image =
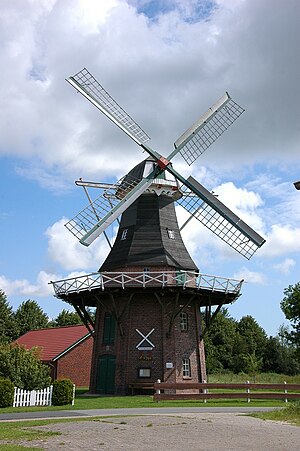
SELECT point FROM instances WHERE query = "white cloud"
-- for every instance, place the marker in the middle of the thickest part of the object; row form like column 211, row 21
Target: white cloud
column 281, row 240
column 250, row 276
column 65, row 249
column 165, row 73
column 285, row 266
column 40, row 288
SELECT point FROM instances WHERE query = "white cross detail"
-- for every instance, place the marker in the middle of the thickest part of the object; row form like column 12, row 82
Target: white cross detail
column 145, row 339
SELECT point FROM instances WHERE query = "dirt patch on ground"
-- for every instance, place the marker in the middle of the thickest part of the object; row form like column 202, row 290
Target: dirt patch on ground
column 215, row 431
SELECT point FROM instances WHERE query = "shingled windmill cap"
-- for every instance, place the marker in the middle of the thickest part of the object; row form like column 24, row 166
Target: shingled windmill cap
column 297, row 184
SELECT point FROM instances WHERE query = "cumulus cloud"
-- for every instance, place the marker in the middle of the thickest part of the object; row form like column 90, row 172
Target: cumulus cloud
column 281, row 240
column 285, row 266
column 40, row 288
column 250, row 276
column 165, row 72
column 65, row 249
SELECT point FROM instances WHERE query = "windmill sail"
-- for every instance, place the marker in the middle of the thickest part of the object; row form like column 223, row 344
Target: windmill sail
column 94, row 219
column 91, row 89
column 218, row 218
column 207, row 129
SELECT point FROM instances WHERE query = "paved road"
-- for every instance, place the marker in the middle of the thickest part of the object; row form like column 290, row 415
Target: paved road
column 192, row 431
column 145, row 411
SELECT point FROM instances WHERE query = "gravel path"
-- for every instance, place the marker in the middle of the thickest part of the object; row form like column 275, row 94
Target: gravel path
column 193, row 431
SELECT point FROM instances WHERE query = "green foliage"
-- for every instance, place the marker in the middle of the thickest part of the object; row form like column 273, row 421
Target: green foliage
column 243, row 347
column 8, row 329
column 62, row 392
column 6, row 392
column 290, row 305
column 219, row 343
column 23, row 367
column 290, row 414
column 30, row 316
column 66, row 318
column 252, row 364
column 280, row 357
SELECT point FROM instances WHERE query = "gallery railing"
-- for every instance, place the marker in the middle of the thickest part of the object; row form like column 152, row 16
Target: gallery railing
column 184, row 279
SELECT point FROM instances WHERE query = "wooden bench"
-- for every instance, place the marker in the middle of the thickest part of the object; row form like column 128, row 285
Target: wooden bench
column 137, row 387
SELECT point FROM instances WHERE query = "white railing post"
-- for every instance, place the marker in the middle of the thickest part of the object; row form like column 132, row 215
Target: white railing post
column 73, row 400
column 205, row 391
column 158, row 389
column 248, row 391
column 285, row 391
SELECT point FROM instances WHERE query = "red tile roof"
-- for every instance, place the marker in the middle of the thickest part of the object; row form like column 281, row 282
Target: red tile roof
column 53, row 341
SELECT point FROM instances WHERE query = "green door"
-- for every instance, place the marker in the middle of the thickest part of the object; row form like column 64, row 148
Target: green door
column 106, row 374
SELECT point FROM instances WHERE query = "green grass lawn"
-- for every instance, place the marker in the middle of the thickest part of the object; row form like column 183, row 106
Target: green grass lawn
column 84, row 402
column 291, row 414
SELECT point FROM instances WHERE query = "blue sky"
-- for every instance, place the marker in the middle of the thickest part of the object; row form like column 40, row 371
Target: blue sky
column 165, row 62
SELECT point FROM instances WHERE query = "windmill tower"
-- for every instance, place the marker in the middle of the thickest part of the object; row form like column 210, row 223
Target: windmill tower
column 148, row 292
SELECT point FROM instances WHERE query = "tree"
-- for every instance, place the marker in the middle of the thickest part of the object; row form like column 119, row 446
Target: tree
column 290, row 305
column 279, row 357
column 219, row 343
column 66, row 318
column 30, row 316
column 250, row 344
column 252, row 364
column 23, row 367
column 8, row 328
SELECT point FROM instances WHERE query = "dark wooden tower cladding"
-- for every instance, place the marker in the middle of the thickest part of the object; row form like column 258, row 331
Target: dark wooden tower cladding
column 148, row 297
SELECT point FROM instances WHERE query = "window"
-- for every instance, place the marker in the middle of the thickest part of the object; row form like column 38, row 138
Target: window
column 146, row 270
column 186, row 368
column 183, row 321
column 109, row 328
column 124, row 234
column 144, row 372
column 171, row 234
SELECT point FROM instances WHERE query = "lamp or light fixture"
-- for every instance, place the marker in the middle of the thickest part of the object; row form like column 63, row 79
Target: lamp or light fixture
column 297, row 185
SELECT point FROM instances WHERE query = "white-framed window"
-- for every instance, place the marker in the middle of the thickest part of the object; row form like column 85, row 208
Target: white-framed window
column 186, row 368
column 183, row 321
column 124, row 234
column 171, row 234
column 144, row 372
column 146, row 270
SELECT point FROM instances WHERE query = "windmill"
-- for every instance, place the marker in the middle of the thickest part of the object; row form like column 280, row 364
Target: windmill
column 193, row 197
column 148, row 292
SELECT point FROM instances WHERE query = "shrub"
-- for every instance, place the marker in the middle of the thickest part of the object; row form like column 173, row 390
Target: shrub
column 62, row 392
column 7, row 390
column 23, row 367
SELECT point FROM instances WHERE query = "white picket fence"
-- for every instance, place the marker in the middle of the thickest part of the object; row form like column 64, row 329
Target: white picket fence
column 24, row 398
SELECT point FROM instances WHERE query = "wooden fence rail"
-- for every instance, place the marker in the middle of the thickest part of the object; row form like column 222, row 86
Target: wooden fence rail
column 169, row 391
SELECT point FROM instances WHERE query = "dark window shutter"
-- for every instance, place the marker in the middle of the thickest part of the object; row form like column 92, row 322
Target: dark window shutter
column 109, row 329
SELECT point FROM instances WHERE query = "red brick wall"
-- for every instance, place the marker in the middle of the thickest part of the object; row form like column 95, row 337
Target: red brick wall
column 146, row 311
column 76, row 364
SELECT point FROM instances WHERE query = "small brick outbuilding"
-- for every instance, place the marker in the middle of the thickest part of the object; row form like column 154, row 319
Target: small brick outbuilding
column 67, row 350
